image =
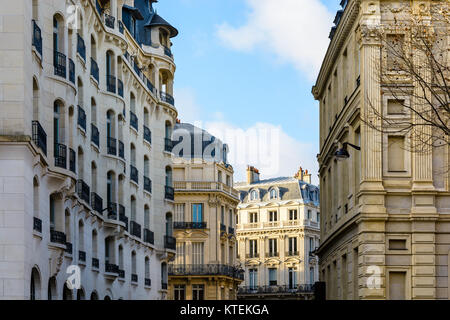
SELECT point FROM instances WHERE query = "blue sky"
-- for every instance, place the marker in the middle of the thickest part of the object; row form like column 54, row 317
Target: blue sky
column 241, row 63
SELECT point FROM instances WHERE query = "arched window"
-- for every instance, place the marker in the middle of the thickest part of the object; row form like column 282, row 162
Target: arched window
column 168, row 130
column 93, row 48
column 51, row 289
column 67, row 293
column 80, row 92
column 132, row 102
column 253, row 195
column 35, row 197
column 273, row 194
column 110, row 72
column 133, row 262
column 94, row 295
column 35, row 285
column 146, row 217
column 121, row 266
column 110, row 124
column 147, row 268
column 35, row 100
column 80, row 235
column 80, row 294
column 93, row 111
column 146, row 167
column 133, row 154
column 94, row 244
column 58, row 33
column 58, row 122
column 168, row 176
column 80, row 163
column 169, row 224
column 93, row 177
column 110, row 187
column 133, row 208
column 146, row 118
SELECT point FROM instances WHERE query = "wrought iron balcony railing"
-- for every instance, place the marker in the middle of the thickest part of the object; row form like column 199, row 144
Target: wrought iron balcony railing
column 82, row 255
column 165, row 97
column 223, row 227
column 252, row 255
column 189, row 225
column 112, row 146
column 111, row 268
column 69, row 248
column 95, row 263
column 111, row 83
column 82, row 118
column 95, row 135
column 57, row 237
column 134, row 120
column 121, row 27
column 135, row 229
column 292, row 253
column 134, row 174
column 37, row 38
column 60, row 154
column 122, row 217
column 71, row 71
column 96, row 202
column 272, row 254
column 168, row 145
column 148, row 282
column 121, row 150
column 121, row 273
column 120, row 87
column 109, row 21
column 60, row 64
column 72, row 161
column 147, row 134
column 168, row 52
column 39, row 136
column 147, row 184
column 37, row 224
column 94, row 70
column 169, row 193
column 205, row 270
column 81, row 47
column 278, row 289
column 150, row 85
column 134, row 277
column 149, row 236
column 112, row 210
column 83, row 190
column 170, row 242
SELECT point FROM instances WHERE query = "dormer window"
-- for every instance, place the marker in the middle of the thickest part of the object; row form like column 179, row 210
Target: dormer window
column 253, row 195
column 273, row 194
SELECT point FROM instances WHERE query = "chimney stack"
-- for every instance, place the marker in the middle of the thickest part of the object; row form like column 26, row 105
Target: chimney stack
column 303, row 175
column 252, row 175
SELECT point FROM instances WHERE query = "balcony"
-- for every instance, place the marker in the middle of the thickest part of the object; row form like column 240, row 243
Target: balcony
column 150, row 85
column 57, row 237
column 83, row 191
column 109, row 21
column 59, row 63
column 95, row 263
column 168, row 52
column 112, row 146
column 37, row 38
column 277, row 289
column 223, row 228
column 37, row 224
column 121, row 274
column 121, row 150
column 95, row 135
column 147, row 184
column 81, row 118
column 135, row 229
column 134, row 121
column 169, row 193
column 72, row 161
column 82, row 256
column 170, row 242
column 272, row 254
column 112, row 210
column 147, row 134
column 111, row 268
column 121, row 27
column 134, row 277
column 148, row 282
column 71, row 71
column 134, row 174
column 165, row 97
column 149, row 236
column 206, row 185
column 230, row 230
column 205, row 270
column 95, row 70
column 163, row 285
column 168, row 145
column 189, row 225
column 96, row 202
column 81, row 47
column 111, row 83
column 60, row 153
column 252, row 255
column 39, row 136
column 69, row 248
column 122, row 217
column 292, row 253
column 120, row 87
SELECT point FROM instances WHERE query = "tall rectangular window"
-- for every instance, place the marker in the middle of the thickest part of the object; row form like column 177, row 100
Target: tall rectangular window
column 222, row 214
column 230, row 218
column 253, row 278
column 253, row 217
column 292, row 215
column 273, row 216
column 179, row 292
column 292, row 278
column 272, row 276
column 396, row 153
column 253, row 247
column 272, row 247
column 198, row 292
column 292, row 245
column 197, row 253
column 180, row 257
column 312, row 247
column 179, row 212
column 308, row 215
column 197, row 212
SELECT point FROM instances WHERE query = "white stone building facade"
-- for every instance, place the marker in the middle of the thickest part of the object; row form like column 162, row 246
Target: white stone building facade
column 85, row 153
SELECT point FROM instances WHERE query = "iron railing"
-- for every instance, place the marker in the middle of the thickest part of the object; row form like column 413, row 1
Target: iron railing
column 148, row 282
column 95, row 135
column 120, row 87
column 135, row 229
column 37, row 224
column 223, row 227
column 121, row 27
column 81, row 47
column 111, row 268
column 150, row 85
column 170, row 242
column 57, row 237
column 83, row 190
column 109, row 21
column 147, row 134
column 205, row 270
column 169, row 193
column 134, row 120
column 95, row 263
column 134, row 174
column 121, row 273
column 111, row 83
column 279, row 289
column 60, row 153
column 230, row 230
column 189, row 225
column 37, row 38
column 72, row 161
column 168, row 145
column 96, row 202
column 82, row 255
column 39, row 136
column 94, row 70
column 71, row 71
column 112, row 210
column 149, row 236
column 112, row 146
column 59, row 62
column 165, row 97
column 134, row 277
column 147, row 184
column 122, row 217
column 121, row 150
column 168, row 52
column 82, row 118
column 69, row 248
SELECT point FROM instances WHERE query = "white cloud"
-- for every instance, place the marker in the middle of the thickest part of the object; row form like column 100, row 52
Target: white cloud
column 294, row 30
column 188, row 109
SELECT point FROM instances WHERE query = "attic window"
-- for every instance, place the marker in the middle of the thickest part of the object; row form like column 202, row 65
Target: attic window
column 253, row 195
column 273, row 194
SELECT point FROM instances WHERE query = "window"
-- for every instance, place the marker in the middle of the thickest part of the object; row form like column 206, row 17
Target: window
column 179, row 292
column 318, row 217
column 396, row 153
column 272, row 277
column 253, row 246
column 273, row 216
column 293, row 246
column 292, row 278
column 220, row 176
column 253, row 217
column 292, row 215
column 273, row 194
column 308, row 216
column 179, row 212
column 253, row 195
column 180, row 257
column 222, row 215
column 197, row 253
column 311, row 275
column 253, row 278
column 230, row 218
column 273, row 247
column 311, row 245
column 397, row 244
column 197, row 212
column 228, row 181
column 198, row 291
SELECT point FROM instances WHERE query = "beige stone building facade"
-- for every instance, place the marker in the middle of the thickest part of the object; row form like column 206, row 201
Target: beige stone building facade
column 277, row 234
column 204, row 220
column 385, row 231
column 85, row 151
